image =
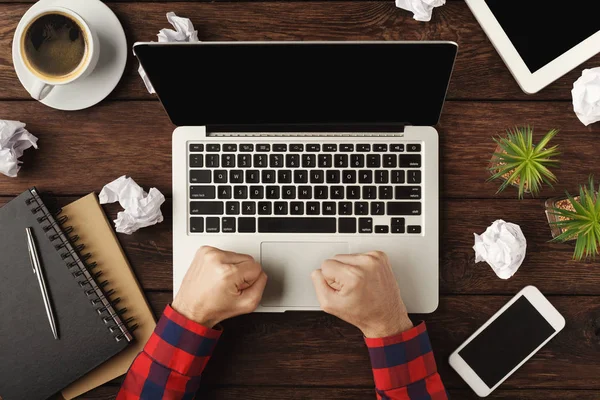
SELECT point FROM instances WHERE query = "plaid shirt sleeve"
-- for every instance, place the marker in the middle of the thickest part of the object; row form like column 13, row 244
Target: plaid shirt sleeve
column 404, row 367
column 172, row 361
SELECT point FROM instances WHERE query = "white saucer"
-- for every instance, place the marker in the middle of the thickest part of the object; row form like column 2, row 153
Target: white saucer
column 107, row 74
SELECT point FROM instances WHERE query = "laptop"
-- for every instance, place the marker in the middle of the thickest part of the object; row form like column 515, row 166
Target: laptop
column 294, row 152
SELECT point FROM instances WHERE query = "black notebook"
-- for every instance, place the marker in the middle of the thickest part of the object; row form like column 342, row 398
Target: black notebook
column 33, row 365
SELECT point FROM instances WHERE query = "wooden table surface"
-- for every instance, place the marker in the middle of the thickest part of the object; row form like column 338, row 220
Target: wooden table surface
column 310, row 355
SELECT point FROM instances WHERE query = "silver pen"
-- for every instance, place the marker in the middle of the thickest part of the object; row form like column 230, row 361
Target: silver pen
column 37, row 271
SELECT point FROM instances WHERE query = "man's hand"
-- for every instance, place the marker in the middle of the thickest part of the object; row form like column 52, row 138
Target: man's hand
column 220, row 285
column 361, row 289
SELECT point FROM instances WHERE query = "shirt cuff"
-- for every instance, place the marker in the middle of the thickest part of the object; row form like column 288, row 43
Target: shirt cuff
column 180, row 344
column 401, row 359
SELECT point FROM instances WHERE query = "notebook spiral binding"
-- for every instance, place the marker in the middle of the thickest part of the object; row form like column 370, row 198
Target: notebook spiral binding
column 87, row 278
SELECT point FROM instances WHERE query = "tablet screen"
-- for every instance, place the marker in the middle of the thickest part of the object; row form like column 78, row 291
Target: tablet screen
column 542, row 30
column 507, row 341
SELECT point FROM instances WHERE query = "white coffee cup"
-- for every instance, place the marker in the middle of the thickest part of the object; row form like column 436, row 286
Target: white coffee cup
column 52, row 67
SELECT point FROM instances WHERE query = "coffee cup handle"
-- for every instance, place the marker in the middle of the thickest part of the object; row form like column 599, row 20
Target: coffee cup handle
column 40, row 90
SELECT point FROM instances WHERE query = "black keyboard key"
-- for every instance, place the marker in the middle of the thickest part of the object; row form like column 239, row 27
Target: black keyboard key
column 212, row 160
column 280, row 208
column 309, row 160
column 276, row 160
column 414, row 176
column 313, row 208
column 365, row 176
column 284, row 176
column 297, row 225
column 382, row 229
column 257, row 192
column 281, row 147
column 382, row 176
column 229, row 147
column 260, row 160
column 268, row 176
column 202, row 192
column 330, row 147
column 410, row 161
column 347, row 225
column 252, row 176
column 246, row 225
column 300, row 176
column 373, row 161
column 212, row 225
column 357, row 160
column 346, row 147
column 321, row 192
column 325, row 161
column 336, row 192
column 206, row 207
column 224, row 192
column 363, row 147
column 297, row 148
column 389, row 161
column 305, row 192
column 413, row 229
column 248, row 208
column 220, row 176
column 408, row 192
column 272, row 192
column 369, row 192
column 248, row 147
column 244, row 160
column 353, row 192
column 398, row 148
column 365, row 225
column 213, row 147
column 297, row 208
column 236, row 176
column 196, row 161
column 413, row 147
column 196, row 147
column 197, row 223
column 288, row 192
column 377, row 208
column 349, row 176
column 380, row 147
column 361, row 208
column 345, row 208
column 387, row 192
column 398, row 176
column 228, row 225
column 333, row 176
column 264, row 208
column 232, row 208
column 240, row 192
column 398, row 225
column 404, row 208
column 317, row 176
column 398, row 221
column 329, row 208
column 292, row 160
column 340, row 160
column 263, row 147
column 313, row 147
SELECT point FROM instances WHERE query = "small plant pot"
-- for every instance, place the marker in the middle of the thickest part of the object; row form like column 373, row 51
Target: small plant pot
column 493, row 168
column 556, row 202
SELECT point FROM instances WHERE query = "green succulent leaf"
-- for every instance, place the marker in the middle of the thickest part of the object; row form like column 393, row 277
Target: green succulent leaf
column 521, row 163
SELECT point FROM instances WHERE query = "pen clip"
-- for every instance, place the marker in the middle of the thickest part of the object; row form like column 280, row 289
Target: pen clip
column 30, row 249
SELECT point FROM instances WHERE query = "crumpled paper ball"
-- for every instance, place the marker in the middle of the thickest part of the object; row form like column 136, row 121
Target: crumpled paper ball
column 422, row 9
column 586, row 96
column 14, row 140
column 502, row 246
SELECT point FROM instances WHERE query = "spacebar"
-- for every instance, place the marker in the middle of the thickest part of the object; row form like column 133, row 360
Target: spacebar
column 296, row 225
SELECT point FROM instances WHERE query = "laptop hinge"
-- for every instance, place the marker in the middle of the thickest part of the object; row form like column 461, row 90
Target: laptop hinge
column 305, row 129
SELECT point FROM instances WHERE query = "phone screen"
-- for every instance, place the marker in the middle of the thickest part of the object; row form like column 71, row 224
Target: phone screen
column 507, row 341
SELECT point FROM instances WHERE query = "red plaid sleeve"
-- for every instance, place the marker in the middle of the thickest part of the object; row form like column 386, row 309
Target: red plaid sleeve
column 404, row 367
column 172, row 361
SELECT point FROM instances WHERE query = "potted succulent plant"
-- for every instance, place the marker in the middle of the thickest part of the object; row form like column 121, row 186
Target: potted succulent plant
column 577, row 219
column 520, row 163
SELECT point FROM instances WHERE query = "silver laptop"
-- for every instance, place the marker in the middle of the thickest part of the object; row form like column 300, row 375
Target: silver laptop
column 294, row 152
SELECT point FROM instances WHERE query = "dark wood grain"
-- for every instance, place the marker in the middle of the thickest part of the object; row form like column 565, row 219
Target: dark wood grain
column 479, row 73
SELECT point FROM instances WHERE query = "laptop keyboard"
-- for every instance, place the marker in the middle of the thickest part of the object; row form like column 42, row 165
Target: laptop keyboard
column 365, row 188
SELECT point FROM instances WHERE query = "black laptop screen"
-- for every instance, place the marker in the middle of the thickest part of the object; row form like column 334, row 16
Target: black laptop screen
column 299, row 83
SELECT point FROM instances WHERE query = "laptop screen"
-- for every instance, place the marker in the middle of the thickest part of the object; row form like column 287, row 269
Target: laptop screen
column 240, row 83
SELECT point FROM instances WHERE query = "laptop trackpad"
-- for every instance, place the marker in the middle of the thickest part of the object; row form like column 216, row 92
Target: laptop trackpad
column 289, row 265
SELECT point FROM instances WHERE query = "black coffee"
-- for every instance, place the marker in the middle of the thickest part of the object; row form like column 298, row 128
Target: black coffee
column 54, row 45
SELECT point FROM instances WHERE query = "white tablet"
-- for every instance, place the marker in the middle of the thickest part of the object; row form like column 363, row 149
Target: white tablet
column 507, row 340
column 540, row 40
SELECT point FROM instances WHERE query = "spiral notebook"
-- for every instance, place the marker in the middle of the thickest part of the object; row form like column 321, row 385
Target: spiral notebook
column 33, row 365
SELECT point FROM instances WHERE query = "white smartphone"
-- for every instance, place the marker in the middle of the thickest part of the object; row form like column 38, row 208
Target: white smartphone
column 507, row 340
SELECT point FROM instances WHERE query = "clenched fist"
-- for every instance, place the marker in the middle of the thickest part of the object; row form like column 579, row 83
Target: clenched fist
column 220, row 285
column 361, row 289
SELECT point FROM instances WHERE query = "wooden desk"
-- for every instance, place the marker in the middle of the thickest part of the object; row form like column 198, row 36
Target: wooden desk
column 310, row 355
